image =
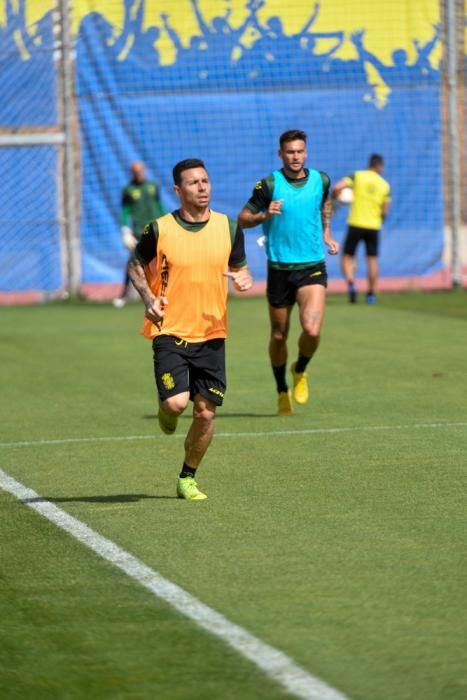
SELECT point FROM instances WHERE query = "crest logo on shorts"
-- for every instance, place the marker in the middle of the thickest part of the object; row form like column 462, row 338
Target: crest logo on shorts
column 168, row 380
column 258, row 185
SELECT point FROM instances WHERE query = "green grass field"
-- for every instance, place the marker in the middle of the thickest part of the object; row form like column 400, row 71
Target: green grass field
column 337, row 535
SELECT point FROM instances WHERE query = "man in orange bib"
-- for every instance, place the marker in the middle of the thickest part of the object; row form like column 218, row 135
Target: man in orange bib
column 180, row 270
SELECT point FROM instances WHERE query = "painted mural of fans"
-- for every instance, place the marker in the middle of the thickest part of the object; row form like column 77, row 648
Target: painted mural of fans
column 424, row 52
column 401, row 70
column 132, row 21
column 310, row 44
column 16, row 27
column 29, row 52
column 276, row 49
column 189, row 58
column 222, row 38
column 95, row 29
column 29, row 40
column 134, row 40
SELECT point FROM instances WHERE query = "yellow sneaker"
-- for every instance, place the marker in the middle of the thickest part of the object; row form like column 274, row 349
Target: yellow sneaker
column 168, row 424
column 284, row 403
column 300, row 386
column 187, row 488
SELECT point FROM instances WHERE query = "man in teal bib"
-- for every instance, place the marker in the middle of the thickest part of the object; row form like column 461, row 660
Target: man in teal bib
column 294, row 207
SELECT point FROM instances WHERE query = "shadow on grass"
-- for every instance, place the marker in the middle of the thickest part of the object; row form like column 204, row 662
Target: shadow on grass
column 117, row 498
column 223, row 414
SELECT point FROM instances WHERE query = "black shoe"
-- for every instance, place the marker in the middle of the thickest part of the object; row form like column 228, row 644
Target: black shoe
column 352, row 295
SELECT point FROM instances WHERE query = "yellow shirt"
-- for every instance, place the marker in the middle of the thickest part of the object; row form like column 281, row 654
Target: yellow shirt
column 188, row 270
column 370, row 193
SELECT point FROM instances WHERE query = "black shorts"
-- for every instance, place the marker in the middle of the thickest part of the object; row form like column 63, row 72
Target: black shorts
column 195, row 367
column 282, row 285
column 368, row 235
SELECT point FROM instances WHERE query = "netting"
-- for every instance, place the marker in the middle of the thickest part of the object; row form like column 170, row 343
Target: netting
column 462, row 104
column 30, row 251
column 27, row 68
column 159, row 80
column 221, row 81
column 30, row 237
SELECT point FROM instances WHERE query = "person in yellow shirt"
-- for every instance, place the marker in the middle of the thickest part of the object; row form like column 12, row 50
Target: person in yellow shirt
column 180, row 270
column 368, row 210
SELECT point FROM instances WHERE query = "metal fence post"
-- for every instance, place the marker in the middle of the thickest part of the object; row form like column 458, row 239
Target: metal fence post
column 71, row 222
column 454, row 145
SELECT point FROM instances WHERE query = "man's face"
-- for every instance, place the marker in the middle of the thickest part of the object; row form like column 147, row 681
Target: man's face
column 293, row 155
column 194, row 189
column 138, row 172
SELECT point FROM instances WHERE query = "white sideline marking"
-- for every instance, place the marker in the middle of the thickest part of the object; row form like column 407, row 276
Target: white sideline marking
column 268, row 433
column 273, row 662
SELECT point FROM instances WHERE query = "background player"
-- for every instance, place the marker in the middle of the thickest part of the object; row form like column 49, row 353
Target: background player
column 371, row 200
column 294, row 207
column 140, row 204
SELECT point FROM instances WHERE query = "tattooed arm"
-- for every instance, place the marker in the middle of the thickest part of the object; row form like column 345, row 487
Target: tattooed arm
column 154, row 305
column 326, row 213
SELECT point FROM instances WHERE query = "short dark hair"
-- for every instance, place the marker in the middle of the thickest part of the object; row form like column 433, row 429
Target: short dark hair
column 183, row 165
column 375, row 160
column 292, row 135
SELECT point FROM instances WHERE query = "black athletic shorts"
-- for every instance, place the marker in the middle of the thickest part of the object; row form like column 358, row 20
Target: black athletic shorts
column 282, row 285
column 356, row 234
column 195, row 367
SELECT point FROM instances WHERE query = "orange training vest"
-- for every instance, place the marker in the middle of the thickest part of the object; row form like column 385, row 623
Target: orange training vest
column 188, row 270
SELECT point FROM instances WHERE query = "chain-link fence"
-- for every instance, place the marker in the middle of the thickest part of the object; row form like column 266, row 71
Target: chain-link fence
column 87, row 92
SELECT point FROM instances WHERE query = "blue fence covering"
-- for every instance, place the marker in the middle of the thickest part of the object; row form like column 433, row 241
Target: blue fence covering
column 230, row 112
column 30, row 251
column 222, row 86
